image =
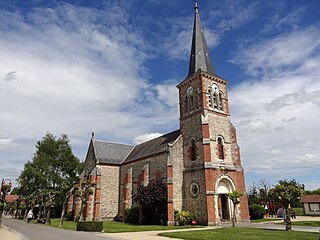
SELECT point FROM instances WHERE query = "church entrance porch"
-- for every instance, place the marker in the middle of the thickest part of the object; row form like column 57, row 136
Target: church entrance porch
column 223, row 206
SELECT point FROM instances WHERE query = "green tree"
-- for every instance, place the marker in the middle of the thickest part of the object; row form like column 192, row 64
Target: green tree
column 317, row 191
column 253, row 195
column 235, row 199
column 53, row 167
column 5, row 189
column 288, row 193
column 152, row 202
column 84, row 191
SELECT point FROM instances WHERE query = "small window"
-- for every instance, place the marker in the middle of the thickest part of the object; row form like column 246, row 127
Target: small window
column 197, row 99
column 215, row 100
column 193, row 150
column 221, row 101
column 210, row 98
column 220, row 148
column 191, row 103
column 185, row 105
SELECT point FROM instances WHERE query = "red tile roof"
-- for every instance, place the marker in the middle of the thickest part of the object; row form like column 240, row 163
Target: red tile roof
column 310, row 198
column 11, row 198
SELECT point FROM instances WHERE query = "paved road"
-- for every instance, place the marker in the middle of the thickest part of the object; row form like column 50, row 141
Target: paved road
column 42, row 232
column 267, row 225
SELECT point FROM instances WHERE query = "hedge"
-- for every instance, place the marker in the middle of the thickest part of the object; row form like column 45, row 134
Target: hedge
column 256, row 211
column 90, row 226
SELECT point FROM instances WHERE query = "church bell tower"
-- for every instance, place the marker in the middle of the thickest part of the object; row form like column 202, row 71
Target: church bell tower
column 211, row 155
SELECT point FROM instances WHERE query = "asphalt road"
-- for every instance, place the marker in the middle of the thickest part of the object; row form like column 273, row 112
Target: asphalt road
column 43, row 232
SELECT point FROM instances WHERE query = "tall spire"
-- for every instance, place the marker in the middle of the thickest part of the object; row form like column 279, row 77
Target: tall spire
column 199, row 56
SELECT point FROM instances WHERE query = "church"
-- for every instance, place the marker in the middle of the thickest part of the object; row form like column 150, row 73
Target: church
column 199, row 163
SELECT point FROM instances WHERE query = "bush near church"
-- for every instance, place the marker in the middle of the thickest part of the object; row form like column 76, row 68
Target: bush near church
column 132, row 215
column 256, row 211
column 183, row 218
column 90, row 226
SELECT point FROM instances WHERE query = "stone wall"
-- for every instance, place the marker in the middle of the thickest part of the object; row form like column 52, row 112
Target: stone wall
column 109, row 194
column 176, row 160
column 157, row 166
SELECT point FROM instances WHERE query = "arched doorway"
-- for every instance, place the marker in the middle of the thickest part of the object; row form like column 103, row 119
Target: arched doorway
column 223, row 206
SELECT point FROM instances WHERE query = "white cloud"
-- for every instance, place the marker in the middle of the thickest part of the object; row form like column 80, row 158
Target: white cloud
column 232, row 14
column 5, row 141
column 282, row 20
column 281, row 98
column 75, row 70
column 145, row 137
column 284, row 54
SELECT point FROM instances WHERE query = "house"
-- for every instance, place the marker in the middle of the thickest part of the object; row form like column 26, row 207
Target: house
column 311, row 204
column 199, row 163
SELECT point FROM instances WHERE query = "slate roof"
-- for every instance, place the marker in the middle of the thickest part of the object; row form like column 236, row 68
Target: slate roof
column 311, row 198
column 111, row 153
column 152, row 147
column 199, row 56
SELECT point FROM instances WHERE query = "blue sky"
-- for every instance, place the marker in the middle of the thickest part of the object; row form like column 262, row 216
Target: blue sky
column 111, row 67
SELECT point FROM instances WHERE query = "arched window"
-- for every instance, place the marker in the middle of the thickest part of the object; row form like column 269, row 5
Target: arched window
column 220, row 148
column 210, row 97
column 185, row 105
column 193, row 150
column 196, row 97
column 221, row 101
column 191, row 102
column 215, row 100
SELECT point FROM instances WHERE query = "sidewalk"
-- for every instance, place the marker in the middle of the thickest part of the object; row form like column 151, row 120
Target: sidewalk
column 9, row 234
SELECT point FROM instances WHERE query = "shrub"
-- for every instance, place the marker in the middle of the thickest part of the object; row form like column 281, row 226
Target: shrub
column 69, row 216
column 90, row 226
column 183, row 218
column 256, row 211
column 132, row 215
column 77, row 218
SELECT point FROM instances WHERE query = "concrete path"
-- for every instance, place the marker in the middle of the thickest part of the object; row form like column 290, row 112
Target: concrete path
column 8, row 234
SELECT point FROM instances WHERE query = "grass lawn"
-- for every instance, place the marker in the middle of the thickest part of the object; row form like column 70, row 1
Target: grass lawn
column 117, row 227
column 70, row 225
column 242, row 234
column 298, row 211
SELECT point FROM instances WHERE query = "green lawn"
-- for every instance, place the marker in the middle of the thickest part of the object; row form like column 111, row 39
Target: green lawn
column 116, row 227
column 298, row 211
column 66, row 225
column 307, row 223
column 242, row 234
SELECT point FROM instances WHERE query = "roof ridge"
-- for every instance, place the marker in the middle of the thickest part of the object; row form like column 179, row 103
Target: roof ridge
column 104, row 141
column 157, row 137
